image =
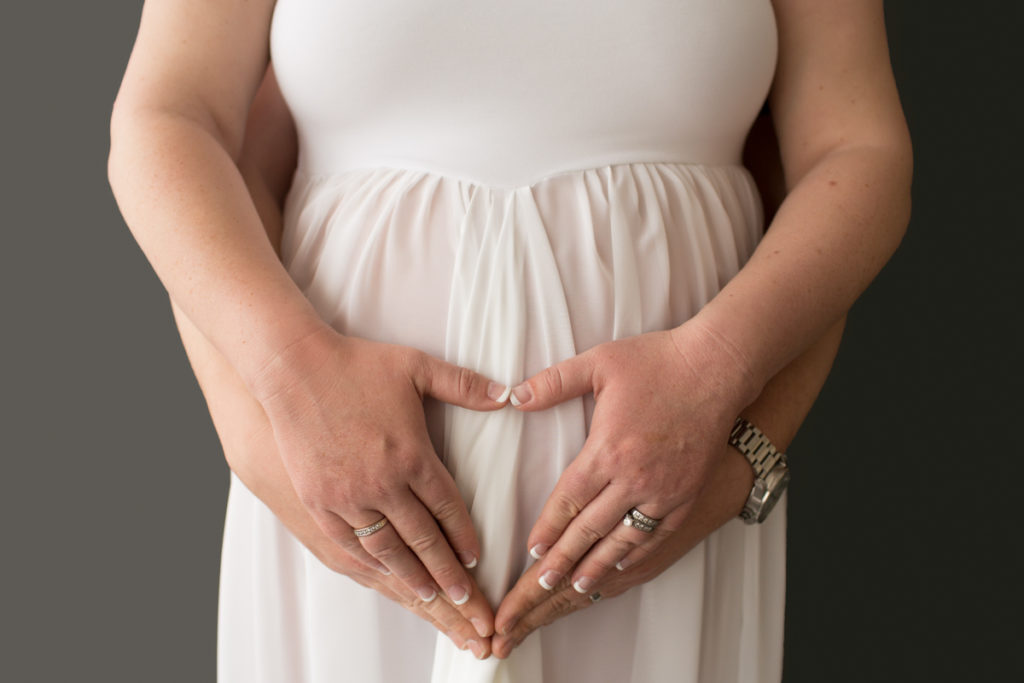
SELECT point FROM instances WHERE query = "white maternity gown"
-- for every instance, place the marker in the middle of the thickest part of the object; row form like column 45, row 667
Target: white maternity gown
column 504, row 185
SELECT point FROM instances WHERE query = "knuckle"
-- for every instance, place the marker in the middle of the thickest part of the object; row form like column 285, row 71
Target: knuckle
column 406, row 464
column 424, row 543
column 447, row 509
column 551, row 381
column 385, row 551
column 341, row 495
column 645, row 479
column 561, row 603
column 466, row 381
column 567, row 506
column 588, row 532
column 621, row 450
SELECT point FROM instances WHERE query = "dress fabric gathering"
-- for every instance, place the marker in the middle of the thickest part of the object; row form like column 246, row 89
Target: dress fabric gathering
column 505, row 185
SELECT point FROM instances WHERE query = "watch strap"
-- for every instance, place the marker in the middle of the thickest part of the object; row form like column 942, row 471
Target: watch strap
column 752, row 443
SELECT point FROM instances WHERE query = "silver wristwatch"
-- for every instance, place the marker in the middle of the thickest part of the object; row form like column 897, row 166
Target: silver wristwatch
column 771, row 471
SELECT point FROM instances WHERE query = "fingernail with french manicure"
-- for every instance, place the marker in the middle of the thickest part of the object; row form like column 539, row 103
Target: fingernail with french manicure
column 458, row 594
column 548, row 581
column 583, row 584
column 426, row 594
column 481, row 626
column 623, row 563
column 537, row 551
column 498, row 393
column 477, row 648
column 521, row 394
column 467, row 559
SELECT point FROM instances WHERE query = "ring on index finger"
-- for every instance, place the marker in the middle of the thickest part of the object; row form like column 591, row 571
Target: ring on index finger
column 372, row 529
column 640, row 521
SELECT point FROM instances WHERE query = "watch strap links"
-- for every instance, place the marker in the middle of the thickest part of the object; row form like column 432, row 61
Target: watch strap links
column 752, row 443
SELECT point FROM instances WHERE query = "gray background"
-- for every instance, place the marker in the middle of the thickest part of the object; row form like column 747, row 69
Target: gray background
column 904, row 554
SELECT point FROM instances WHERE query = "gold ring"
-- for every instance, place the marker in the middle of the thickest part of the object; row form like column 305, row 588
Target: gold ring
column 372, row 529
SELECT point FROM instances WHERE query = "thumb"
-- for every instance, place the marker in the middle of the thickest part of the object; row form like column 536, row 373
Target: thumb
column 459, row 386
column 569, row 379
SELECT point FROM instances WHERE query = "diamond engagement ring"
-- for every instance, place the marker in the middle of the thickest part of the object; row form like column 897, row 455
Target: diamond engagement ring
column 372, row 529
column 640, row 521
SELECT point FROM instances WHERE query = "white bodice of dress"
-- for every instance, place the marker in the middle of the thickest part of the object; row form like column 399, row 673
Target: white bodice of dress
column 506, row 93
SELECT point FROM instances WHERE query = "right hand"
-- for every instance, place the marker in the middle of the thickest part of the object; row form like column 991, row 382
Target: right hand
column 347, row 416
column 267, row 160
column 247, row 440
column 440, row 613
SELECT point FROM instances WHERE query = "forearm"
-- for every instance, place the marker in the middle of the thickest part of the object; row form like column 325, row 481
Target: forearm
column 778, row 411
column 187, row 205
column 829, row 239
column 787, row 398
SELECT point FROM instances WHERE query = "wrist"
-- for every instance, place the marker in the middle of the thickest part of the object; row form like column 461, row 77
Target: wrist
column 715, row 352
column 292, row 360
column 742, row 334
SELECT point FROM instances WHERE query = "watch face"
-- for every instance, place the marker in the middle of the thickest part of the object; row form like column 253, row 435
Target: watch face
column 777, row 482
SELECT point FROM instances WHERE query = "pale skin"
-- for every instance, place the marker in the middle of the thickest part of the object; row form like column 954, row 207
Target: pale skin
column 266, row 163
column 177, row 138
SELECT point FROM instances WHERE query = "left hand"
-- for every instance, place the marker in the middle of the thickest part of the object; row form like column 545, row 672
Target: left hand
column 721, row 501
column 664, row 405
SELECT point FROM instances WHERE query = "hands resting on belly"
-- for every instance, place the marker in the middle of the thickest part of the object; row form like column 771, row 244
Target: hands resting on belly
column 261, row 462
column 336, row 439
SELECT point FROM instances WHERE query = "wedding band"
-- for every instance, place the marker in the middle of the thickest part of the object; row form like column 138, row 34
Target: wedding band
column 644, row 519
column 372, row 529
column 633, row 519
column 639, row 526
column 594, row 597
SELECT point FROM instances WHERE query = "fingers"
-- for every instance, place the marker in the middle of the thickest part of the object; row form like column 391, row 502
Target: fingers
column 415, row 550
column 465, row 633
column 457, row 385
column 544, row 608
column 526, row 595
column 623, row 547
column 451, row 548
column 341, row 533
column 437, row 490
column 575, row 489
column 388, row 547
column 596, row 521
column 560, row 382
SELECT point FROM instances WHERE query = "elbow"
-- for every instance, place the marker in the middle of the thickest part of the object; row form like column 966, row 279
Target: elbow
column 117, row 123
column 125, row 118
column 902, row 169
column 120, row 120
column 141, row 129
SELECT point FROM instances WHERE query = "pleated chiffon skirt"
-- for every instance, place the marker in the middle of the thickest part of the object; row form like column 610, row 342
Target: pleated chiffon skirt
column 508, row 280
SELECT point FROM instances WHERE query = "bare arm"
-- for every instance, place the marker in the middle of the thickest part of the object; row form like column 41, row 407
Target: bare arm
column 177, row 134
column 266, row 162
column 847, row 159
column 846, row 156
